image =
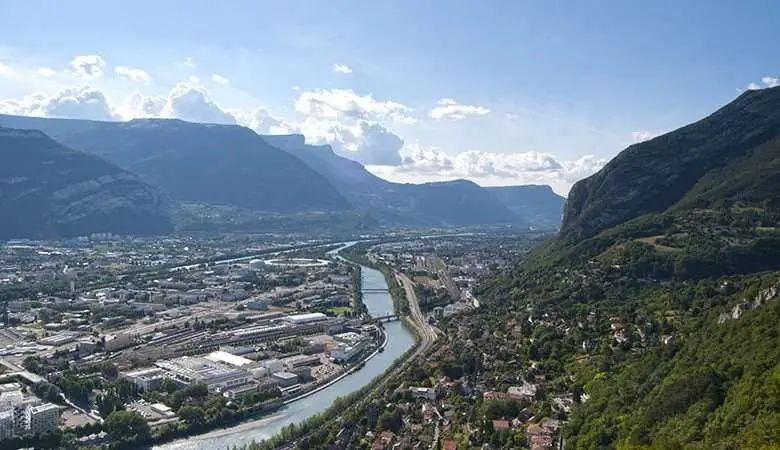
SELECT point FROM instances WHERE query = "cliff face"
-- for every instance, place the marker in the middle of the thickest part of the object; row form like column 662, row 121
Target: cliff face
column 49, row 190
column 655, row 175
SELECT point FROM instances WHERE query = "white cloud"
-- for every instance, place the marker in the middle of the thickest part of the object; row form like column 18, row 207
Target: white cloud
column 132, row 74
column 46, row 72
column 450, row 109
column 220, row 79
column 5, row 70
column 263, row 122
column 641, row 136
column 189, row 62
column 341, row 68
column 421, row 163
column 771, row 81
column 193, row 79
column 88, row 66
column 84, row 102
column 346, row 104
column 766, row 82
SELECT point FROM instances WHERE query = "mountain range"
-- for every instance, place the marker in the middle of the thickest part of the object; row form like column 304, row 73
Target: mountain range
column 455, row 203
column 49, row 190
column 205, row 170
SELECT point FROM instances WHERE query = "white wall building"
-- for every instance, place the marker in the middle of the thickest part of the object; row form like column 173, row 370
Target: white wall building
column 43, row 418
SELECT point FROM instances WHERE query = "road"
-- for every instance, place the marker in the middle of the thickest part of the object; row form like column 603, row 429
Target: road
column 427, row 332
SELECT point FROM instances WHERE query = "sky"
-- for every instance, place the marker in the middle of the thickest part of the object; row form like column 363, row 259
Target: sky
column 504, row 92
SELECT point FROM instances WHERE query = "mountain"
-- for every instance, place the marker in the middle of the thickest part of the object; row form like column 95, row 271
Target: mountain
column 48, row 190
column 454, row 203
column 200, row 163
column 654, row 175
column 655, row 311
column 536, row 205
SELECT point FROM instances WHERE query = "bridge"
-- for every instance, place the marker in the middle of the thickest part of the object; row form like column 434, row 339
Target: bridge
column 372, row 291
column 387, row 318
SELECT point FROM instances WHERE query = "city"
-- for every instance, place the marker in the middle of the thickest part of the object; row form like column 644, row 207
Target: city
column 249, row 329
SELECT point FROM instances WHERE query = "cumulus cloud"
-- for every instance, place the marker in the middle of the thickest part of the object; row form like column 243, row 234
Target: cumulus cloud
column 193, row 79
column 189, row 62
column 341, row 68
column 641, row 136
column 132, row 74
column 367, row 142
column 449, row 109
column 220, row 79
column 46, row 72
column 83, row 102
column 263, row 122
column 5, row 70
column 184, row 101
column 88, row 66
column 766, row 82
column 771, row 81
column 422, row 163
column 347, row 104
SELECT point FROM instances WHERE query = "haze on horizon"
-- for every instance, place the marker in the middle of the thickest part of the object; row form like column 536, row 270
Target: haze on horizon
column 416, row 92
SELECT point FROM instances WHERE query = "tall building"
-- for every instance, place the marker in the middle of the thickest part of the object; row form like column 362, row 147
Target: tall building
column 43, row 418
column 6, row 424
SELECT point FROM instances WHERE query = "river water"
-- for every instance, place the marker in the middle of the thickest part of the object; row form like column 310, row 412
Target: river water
column 399, row 341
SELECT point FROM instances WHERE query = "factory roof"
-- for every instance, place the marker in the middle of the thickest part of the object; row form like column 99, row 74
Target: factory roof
column 225, row 357
column 308, row 317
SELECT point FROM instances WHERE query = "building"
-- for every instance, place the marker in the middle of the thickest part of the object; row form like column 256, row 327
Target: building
column 22, row 415
column 300, row 319
column 285, row 379
column 348, row 346
column 239, row 392
column 43, row 418
column 216, row 376
column 147, row 379
column 423, row 392
column 117, row 342
column 229, row 359
column 6, row 424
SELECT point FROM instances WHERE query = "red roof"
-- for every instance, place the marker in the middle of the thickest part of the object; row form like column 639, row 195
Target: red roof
column 501, row 424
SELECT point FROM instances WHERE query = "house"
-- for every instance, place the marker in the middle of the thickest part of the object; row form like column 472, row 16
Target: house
column 500, row 425
column 449, row 445
column 540, row 437
column 384, row 441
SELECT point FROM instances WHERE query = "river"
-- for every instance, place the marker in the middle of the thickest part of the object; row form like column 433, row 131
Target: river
column 399, row 341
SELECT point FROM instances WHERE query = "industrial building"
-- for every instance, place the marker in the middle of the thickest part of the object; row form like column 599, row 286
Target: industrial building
column 301, row 319
column 216, row 376
column 348, row 346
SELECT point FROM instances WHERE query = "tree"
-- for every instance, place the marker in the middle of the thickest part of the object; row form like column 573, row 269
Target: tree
column 127, row 426
column 193, row 415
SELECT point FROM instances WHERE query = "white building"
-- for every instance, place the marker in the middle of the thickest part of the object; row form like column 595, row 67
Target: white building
column 300, row 319
column 147, row 379
column 43, row 418
column 348, row 346
column 198, row 370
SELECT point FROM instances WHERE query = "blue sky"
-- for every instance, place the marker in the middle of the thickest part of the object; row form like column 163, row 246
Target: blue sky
column 517, row 92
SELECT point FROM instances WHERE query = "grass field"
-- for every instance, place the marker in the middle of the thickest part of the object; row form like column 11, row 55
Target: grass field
column 339, row 310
